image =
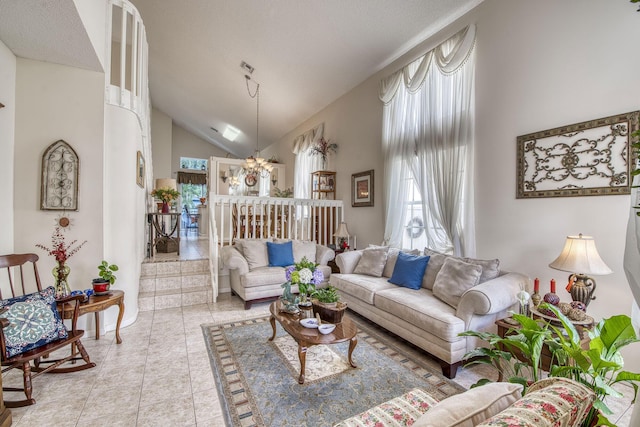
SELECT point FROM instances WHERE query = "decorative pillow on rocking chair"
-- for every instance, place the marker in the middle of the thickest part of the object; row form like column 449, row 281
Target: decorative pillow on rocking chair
column 33, row 321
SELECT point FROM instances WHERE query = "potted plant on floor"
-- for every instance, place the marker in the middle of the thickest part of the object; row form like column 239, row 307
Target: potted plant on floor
column 326, row 303
column 102, row 284
column 598, row 367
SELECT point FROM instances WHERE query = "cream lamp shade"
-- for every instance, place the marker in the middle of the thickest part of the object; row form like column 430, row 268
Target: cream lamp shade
column 166, row 183
column 580, row 257
column 342, row 231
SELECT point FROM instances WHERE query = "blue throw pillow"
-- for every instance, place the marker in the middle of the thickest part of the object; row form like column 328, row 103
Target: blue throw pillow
column 280, row 254
column 409, row 270
column 34, row 321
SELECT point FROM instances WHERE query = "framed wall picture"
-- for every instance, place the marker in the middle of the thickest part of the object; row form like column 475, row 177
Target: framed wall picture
column 59, row 182
column 140, row 170
column 583, row 159
column 362, row 189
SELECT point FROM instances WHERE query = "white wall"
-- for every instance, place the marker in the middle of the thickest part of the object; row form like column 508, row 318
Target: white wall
column 124, row 208
column 57, row 102
column 7, row 134
column 161, row 130
column 540, row 65
column 186, row 144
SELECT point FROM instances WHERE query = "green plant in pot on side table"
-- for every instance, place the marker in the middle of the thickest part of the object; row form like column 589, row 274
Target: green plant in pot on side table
column 107, row 278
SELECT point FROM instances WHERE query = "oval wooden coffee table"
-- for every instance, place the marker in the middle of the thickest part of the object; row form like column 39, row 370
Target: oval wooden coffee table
column 307, row 337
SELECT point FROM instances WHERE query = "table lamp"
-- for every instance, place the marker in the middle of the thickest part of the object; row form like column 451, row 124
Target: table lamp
column 580, row 255
column 342, row 234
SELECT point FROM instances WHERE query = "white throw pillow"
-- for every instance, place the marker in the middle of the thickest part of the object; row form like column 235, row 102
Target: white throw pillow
column 303, row 249
column 454, row 279
column 372, row 262
column 472, row 407
column 256, row 254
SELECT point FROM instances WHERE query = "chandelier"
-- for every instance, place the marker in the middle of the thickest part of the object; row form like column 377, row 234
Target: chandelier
column 255, row 165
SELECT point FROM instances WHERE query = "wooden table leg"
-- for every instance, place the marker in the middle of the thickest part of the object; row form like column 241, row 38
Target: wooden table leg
column 120, row 315
column 272, row 319
column 352, row 345
column 97, row 317
column 302, row 354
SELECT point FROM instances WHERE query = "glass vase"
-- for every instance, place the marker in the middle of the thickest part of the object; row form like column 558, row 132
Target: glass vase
column 61, row 273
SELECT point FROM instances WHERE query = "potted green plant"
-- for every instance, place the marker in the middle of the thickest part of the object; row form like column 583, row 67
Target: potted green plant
column 326, row 303
column 526, row 341
column 601, row 365
column 598, row 367
column 102, row 284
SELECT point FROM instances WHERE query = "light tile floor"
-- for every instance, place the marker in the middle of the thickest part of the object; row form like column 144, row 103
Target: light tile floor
column 160, row 375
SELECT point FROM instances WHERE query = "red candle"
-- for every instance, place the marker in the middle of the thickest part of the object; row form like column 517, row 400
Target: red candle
column 553, row 286
column 536, row 286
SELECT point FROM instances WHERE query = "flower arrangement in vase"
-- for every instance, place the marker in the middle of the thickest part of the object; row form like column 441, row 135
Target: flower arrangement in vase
column 306, row 275
column 166, row 195
column 323, row 148
column 61, row 252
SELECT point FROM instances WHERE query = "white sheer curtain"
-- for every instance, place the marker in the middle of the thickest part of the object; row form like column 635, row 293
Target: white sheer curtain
column 305, row 162
column 428, row 136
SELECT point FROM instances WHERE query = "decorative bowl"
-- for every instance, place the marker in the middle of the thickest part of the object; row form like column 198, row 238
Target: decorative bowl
column 326, row 328
column 311, row 323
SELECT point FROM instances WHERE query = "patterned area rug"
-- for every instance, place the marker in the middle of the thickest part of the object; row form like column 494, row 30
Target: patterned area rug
column 257, row 379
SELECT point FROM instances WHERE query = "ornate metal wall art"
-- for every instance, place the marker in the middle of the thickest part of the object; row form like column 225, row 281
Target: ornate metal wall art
column 584, row 159
column 59, row 187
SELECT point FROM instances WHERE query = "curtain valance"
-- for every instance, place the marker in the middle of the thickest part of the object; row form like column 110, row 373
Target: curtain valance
column 449, row 56
column 306, row 140
column 192, row 178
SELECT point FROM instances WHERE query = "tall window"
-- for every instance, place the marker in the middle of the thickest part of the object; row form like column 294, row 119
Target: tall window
column 428, row 145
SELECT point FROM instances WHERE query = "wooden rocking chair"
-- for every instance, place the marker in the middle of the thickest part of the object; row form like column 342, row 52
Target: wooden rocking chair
column 39, row 351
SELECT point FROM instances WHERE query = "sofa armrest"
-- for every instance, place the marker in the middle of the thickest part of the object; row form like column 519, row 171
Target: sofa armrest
column 233, row 259
column 492, row 296
column 324, row 254
column 347, row 261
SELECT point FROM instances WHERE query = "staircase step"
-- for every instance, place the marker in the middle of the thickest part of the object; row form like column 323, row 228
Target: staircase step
column 172, row 284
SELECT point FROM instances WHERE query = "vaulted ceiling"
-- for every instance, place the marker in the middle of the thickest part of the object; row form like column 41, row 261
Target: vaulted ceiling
column 306, row 54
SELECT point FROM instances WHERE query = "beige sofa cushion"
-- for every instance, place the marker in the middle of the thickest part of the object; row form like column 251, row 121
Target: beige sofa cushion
column 262, row 276
column 372, row 262
column 490, row 267
column 256, row 253
column 360, row 286
column 454, row 279
column 472, row 407
column 420, row 308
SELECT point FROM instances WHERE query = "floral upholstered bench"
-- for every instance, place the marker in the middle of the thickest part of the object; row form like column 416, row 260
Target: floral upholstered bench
column 551, row 402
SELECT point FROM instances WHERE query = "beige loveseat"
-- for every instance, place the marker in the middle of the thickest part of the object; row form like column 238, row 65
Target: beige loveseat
column 253, row 280
column 548, row 403
column 431, row 317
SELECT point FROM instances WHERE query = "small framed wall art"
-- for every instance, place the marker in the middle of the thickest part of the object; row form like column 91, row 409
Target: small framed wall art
column 583, row 159
column 140, row 170
column 362, row 189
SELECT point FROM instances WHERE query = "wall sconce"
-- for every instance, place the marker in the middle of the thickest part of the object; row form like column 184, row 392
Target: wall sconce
column 223, row 176
column 274, row 177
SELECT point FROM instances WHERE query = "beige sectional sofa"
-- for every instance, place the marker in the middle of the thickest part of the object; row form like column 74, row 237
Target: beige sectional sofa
column 253, row 280
column 431, row 317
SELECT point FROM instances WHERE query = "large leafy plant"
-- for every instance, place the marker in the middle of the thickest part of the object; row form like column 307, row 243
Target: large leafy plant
column 598, row 367
column 527, row 340
column 601, row 365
